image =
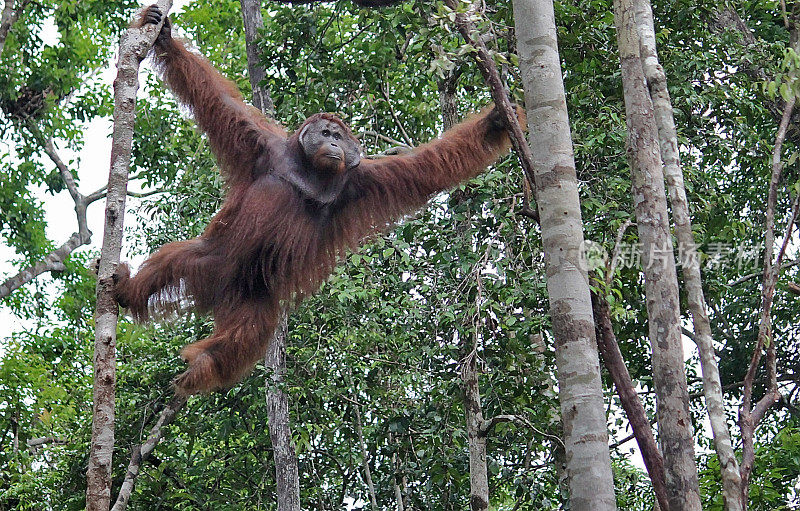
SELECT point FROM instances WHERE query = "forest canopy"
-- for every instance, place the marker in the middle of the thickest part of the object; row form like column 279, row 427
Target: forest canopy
column 446, row 334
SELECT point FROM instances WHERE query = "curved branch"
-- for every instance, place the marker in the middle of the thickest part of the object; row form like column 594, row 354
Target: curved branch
column 498, row 90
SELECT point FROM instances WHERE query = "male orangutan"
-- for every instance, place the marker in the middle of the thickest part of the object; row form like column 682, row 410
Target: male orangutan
column 295, row 204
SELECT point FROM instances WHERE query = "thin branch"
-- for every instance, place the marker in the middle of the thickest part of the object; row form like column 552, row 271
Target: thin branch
column 753, row 275
column 527, row 210
column 749, row 416
column 66, row 175
column 362, row 445
column 519, row 420
column 498, row 89
column 54, row 261
column 389, row 103
column 142, row 195
column 371, row 133
column 141, row 452
column 771, row 397
column 33, row 443
column 611, row 265
column 769, row 236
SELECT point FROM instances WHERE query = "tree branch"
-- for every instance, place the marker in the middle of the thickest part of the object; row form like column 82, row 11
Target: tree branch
column 753, row 275
column 9, row 17
column 141, row 452
column 613, row 361
column 53, row 262
column 134, row 46
column 749, row 416
column 33, row 443
column 498, row 89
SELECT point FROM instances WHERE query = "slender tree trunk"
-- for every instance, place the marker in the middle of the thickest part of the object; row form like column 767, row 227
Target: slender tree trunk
column 580, row 390
column 253, row 22
column 280, row 432
column 134, row 45
column 363, row 447
column 751, row 415
column 476, row 440
column 661, row 282
column 612, row 357
column 668, row 144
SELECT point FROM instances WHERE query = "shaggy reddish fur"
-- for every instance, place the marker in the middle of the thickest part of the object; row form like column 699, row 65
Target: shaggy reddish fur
column 270, row 244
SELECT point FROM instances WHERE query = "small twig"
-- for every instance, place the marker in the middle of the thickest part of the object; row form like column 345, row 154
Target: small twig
column 526, row 210
column 371, row 133
column 406, row 137
column 753, row 275
column 33, row 443
column 142, row 195
column 611, row 266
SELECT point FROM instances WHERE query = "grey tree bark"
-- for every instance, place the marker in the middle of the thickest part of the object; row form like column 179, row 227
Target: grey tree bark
column 134, row 45
column 280, row 433
column 673, row 174
column 580, row 391
column 661, row 283
column 253, row 21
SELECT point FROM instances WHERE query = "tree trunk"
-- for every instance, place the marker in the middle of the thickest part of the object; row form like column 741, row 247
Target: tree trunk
column 280, row 433
column 580, row 391
column 362, row 446
column 134, row 45
column 286, row 472
column 476, row 440
column 478, row 471
column 612, row 357
column 661, row 282
column 668, row 144
column 253, row 21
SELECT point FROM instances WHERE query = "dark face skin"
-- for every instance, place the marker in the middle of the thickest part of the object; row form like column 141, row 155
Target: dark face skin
column 329, row 147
